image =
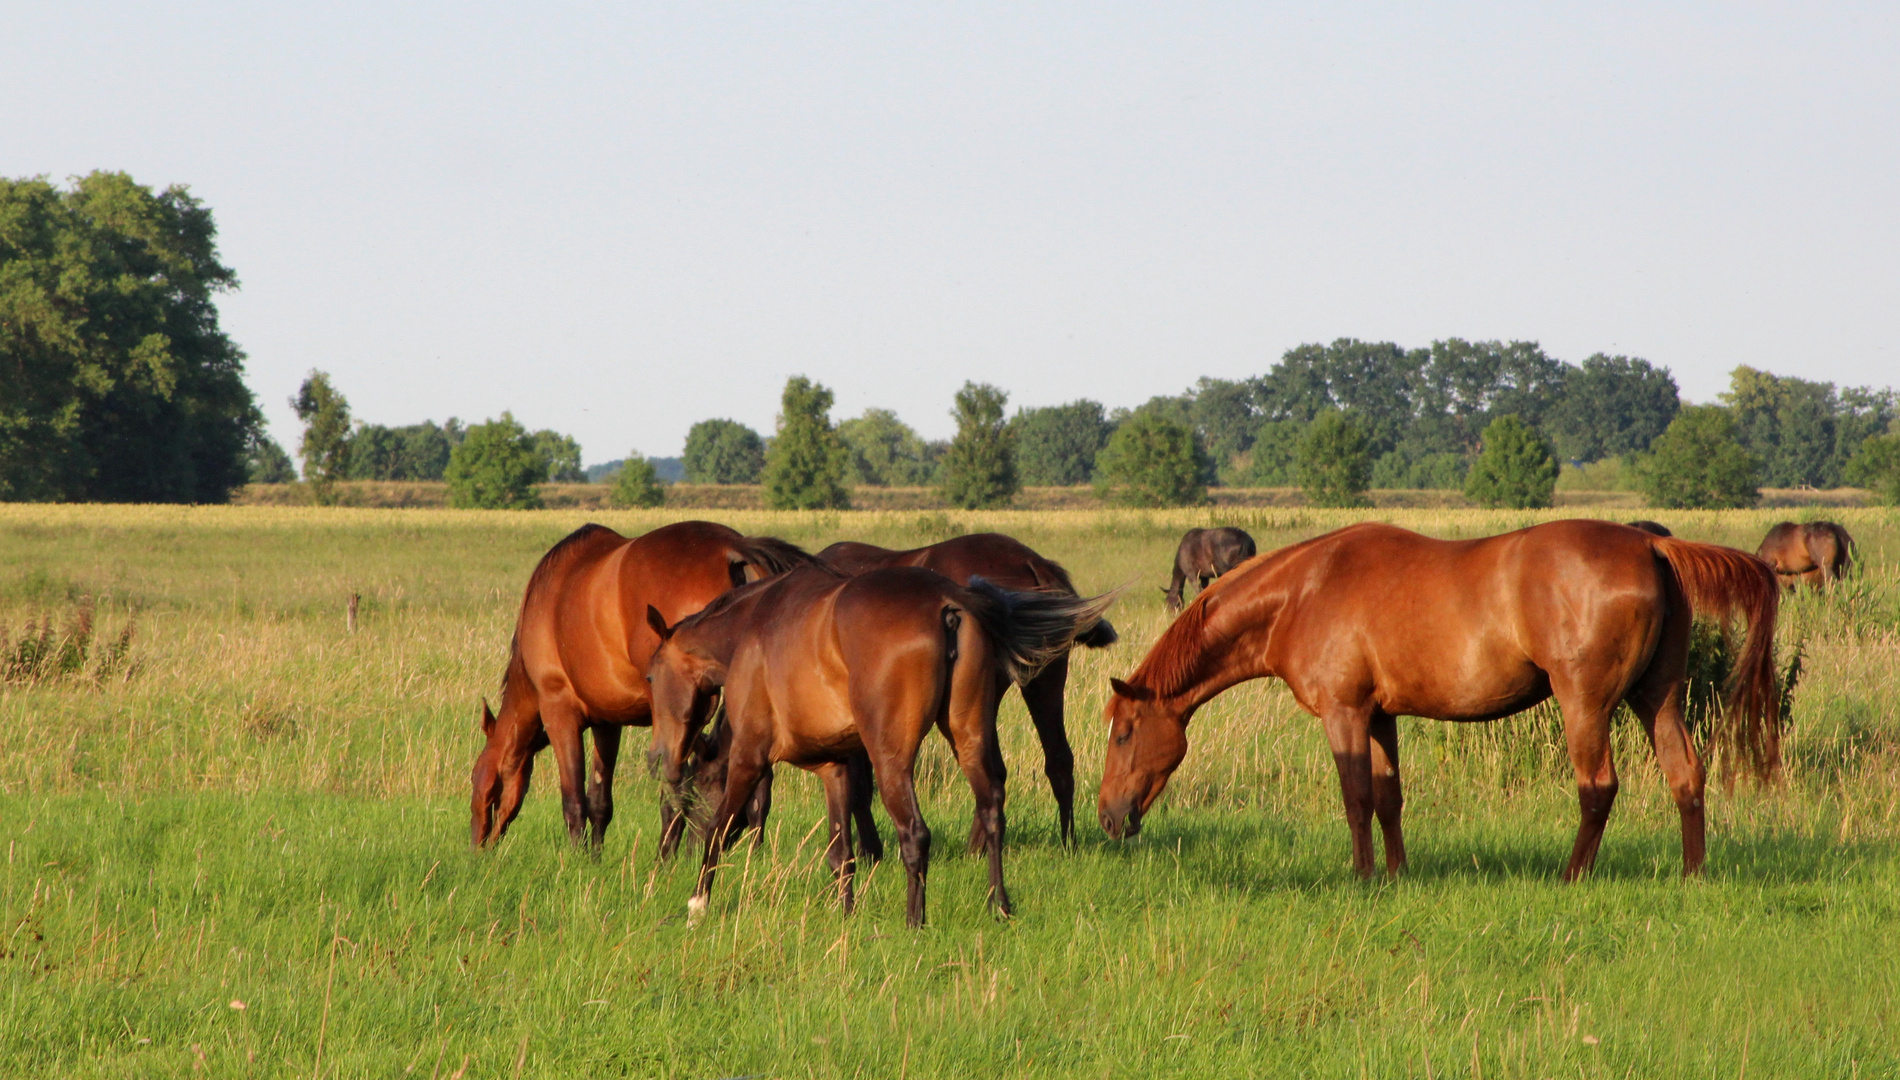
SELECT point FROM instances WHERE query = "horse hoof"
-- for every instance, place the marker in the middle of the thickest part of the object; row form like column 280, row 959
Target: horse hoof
column 695, row 910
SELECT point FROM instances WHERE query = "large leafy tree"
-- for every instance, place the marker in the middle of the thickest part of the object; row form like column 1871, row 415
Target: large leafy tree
column 496, row 468
column 804, row 469
column 1056, row 445
column 723, row 452
column 1152, row 460
column 412, row 452
column 1516, row 469
column 1612, row 405
column 562, row 455
column 884, row 451
column 325, row 449
column 116, row 382
column 1335, row 462
column 1698, row 464
column 979, row 469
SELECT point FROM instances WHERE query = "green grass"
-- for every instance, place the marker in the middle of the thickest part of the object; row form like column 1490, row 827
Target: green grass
column 271, row 810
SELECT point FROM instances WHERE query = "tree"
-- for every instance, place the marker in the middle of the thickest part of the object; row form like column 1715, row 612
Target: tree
column 637, row 484
column 116, row 382
column 1335, row 464
column 1877, row 465
column 1152, row 461
column 979, row 471
column 723, row 452
column 326, row 435
column 1056, row 445
column 1275, row 453
column 412, row 452
column 804, row 469
column 1517, row 467
column 1697, row 464
column 266, row 463
column 883, row 451
column 496, row 468
column 562, row 455
column 1612, row 405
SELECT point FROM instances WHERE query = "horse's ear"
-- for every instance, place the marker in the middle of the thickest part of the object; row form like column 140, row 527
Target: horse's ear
column 658, row 622
column 1132, row 693
column 488, row 719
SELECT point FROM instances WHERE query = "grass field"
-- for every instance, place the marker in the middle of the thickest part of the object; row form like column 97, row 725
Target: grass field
column 243, row 850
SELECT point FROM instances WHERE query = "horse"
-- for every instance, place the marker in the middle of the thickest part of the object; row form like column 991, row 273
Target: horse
column 1653, row 528
column 1814, row 554
column 1372, row 622
column 1204, row 555
column 578, row 659
column 817, row 669
column 1007, row 562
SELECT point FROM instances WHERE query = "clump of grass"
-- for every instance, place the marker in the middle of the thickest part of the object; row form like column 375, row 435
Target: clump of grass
column 45, row 651
column 266, row 720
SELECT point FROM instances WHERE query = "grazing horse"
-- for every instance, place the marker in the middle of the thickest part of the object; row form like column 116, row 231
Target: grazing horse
column 578, row 658
column 1653, row 528
column 1814, row 554
column 1204, row 555
column 1373, row 622
column 1006, row 562
column 819, row 669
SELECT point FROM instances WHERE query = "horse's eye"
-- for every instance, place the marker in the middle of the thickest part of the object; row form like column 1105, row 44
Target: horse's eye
column 1122, row 736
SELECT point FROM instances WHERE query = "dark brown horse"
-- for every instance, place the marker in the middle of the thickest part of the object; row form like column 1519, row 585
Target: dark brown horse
column 1204, row 555
column 1011, row 564
column 578, row 659
column 818, row 669
column 1373, row 622
column 1814, row 554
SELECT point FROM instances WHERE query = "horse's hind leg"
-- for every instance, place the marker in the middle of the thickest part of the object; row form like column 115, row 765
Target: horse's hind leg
column 1387, row 797
column 1043, row 696
column 1587, row 735
column 600, row 785
column 1657, row 701
column 863, row 785
column 837, row 778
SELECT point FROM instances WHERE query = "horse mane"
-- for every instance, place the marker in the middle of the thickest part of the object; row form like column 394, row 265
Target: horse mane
column 775, row 556
column 1170, row 666
column 566, row 550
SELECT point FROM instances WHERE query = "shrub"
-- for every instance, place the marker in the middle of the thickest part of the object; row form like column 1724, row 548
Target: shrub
column 637, row 483
column 723, row 452
column 1152, row 461
column 883, row 451
column 1516, row 469
column 496, row 468
column 804, row 469
column 979, row 469
column 1876, row 465
column 1334, row 464
column 1697, row 464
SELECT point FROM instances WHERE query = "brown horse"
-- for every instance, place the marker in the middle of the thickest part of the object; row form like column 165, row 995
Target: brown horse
column 1814, row 554
column 1204, row 555
column 578, row 659
column 819, row 669
column 1009, row 563
column 1373, row 622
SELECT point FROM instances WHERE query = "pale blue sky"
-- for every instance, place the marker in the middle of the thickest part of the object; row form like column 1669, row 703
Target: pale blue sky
column 617, row 219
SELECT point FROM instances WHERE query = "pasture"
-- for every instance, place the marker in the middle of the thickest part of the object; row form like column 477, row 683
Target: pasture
column 242, row 849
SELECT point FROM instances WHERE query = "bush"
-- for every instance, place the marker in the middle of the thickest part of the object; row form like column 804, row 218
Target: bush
column 1152, row 461
column 1516, row 469
column 723, row 452
column 979, row 470
column 1334, row 465
column 496, row 468
column 1876, row 465
column 1056, row 446
column 883, row 451
column 804, row 470
column 637, row 484
column 1696, row 464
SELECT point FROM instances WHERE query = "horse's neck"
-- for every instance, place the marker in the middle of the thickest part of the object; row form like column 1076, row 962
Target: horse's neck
column 1226, row 655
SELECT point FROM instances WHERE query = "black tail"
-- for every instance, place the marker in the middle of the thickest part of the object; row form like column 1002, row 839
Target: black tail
column 1030, row 629
column 1054, row 577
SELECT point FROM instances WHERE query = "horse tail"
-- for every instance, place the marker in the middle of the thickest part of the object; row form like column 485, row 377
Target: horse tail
column 768, row 556
column 1725, row 583
column 1030, row 629
column 1052, row 577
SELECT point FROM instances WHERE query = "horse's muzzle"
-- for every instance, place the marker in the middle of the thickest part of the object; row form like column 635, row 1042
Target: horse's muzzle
column 1122, row 820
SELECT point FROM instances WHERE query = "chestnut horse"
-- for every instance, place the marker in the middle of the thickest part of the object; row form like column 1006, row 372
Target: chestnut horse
column 1814, row 554
column 578, row 658
column 819, row 669
column 1009, row 563
column 1204, row 555
column 1373, row 622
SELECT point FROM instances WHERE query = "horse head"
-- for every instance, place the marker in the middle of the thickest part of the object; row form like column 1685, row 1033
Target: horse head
column 1147, row 738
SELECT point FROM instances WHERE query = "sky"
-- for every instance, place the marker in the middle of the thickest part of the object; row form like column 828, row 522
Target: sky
column 616, row 219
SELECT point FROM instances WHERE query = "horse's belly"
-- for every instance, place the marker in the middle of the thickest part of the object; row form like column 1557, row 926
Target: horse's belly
column 1450, row 695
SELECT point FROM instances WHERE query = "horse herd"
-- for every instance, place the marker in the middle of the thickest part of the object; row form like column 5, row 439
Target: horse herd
column 743, row 652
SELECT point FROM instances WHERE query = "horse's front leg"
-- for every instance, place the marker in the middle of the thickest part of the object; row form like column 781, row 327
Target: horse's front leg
column 600, row 785
column 564, row 721
column 1348, row 733
column 742, row 775
column 1388, row 799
